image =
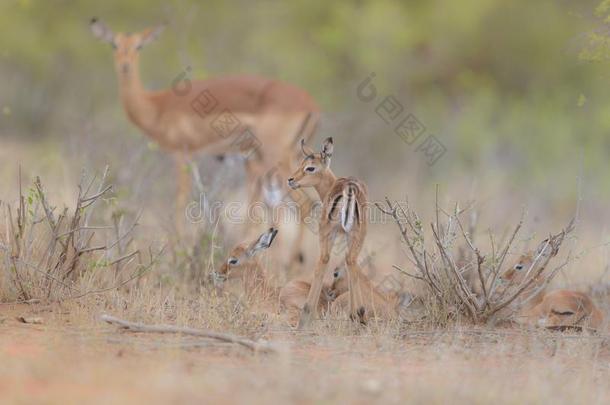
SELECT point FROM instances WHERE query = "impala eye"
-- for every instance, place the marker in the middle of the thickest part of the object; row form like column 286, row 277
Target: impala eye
column 519, row 266
column 336, row 274
column 310, row 169
column 562, row 313
column 233, row 261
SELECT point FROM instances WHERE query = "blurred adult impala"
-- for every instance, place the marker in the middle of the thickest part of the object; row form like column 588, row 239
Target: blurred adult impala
column 262, row 118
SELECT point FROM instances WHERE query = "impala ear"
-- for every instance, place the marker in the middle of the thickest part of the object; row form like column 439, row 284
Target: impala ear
column 263, row 242
column 327, row 150
column 546, row 248
column 150, row 34
column 307, row 151
column 101, row 31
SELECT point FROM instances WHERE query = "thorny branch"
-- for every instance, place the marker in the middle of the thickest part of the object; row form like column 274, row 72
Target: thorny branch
column 445, row 277
column 71, row 246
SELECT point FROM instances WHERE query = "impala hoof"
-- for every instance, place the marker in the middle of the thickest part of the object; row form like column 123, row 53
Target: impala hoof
column 304, row 319
column 359, row 316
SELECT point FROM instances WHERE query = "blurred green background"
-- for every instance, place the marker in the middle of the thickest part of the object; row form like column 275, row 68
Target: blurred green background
column 516, row 90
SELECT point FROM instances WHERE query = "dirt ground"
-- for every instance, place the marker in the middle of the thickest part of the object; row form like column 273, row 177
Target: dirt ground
column 74, row 358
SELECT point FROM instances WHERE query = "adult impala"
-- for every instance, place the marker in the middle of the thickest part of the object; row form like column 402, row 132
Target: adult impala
column 263, row 118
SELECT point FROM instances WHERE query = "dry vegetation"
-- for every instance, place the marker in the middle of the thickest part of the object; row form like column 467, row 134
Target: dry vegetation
column 64, row 268
column 467, row 284
column 102, row 300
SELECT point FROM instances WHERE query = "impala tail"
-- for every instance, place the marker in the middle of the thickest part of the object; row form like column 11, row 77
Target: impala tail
column 349, row 210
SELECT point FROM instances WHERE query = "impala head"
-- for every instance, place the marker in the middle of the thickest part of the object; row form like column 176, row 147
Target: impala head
column 126, row 46
column 314, row 165
column 566, row 309
column 243, row 257
column 531, row 260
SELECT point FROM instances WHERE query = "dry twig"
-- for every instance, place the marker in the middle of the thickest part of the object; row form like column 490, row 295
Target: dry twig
column 263, row 347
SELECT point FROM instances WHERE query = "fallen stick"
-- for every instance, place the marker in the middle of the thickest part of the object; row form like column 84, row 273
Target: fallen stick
column 223, row 337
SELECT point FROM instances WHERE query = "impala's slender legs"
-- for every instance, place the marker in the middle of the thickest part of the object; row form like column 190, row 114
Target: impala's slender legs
column 354, row 246
column 184, row 190
column 327, row 238
column 297, row 256
column 255, row 185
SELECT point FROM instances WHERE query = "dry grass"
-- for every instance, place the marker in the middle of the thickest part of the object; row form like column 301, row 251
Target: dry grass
column 434, row 358
column 52, row 254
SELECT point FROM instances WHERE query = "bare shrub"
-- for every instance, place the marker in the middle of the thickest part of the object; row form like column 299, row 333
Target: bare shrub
column 51, row 254
column 468, row 285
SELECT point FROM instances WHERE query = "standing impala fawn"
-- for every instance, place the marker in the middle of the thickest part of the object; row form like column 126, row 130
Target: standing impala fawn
column 344, row 213
column 560, row 309
column 215, row 116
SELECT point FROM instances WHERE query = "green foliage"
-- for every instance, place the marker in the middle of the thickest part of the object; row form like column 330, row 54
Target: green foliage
column 500, row 82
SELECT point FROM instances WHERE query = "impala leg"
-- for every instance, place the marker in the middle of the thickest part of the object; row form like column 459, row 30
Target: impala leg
column 183, row 191
column 310, row 307
column 297, row 256
column 356, row 302
column 255, row 187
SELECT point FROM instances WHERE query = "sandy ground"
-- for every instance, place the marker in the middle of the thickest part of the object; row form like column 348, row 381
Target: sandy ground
column 74, row 359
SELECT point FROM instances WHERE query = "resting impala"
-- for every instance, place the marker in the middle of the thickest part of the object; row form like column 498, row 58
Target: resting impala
column 293, row 295
column 344, row 213
column 243, row 262
column 558, row 309
column 377, row 303
column 261, row 117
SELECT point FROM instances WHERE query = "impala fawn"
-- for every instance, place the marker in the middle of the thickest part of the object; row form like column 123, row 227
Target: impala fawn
column 344, row 213
column 566, row 309
column 558, row 309
column 261, row 118
column 377, row 303
column 243, row 262
column 293, row 295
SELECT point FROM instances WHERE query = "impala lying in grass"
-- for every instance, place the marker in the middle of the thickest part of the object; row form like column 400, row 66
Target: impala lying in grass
column 243, row 262
column 560, row 309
